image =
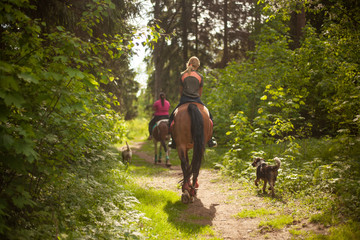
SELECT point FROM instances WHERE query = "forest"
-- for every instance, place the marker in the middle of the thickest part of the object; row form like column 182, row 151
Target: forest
column 282, row 79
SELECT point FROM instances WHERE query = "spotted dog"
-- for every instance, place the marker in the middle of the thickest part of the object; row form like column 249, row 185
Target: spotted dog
column 266, row 173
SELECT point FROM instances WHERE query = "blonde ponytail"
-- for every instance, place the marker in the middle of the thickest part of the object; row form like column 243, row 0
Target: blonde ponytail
column 192, row 64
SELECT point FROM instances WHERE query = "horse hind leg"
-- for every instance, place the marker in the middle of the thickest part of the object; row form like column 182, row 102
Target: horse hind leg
column 166, row 151
column 185, row 169
column 162, row 144
column 187, row 189
column 195, row 184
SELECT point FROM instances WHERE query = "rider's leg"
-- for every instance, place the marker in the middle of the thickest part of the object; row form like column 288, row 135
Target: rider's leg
column 151, row 124
column 172, row 143
column 212, row 142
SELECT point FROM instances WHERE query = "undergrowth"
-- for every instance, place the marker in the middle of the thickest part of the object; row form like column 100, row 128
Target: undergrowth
column 136, row 129
column 88, row 201
column 322, row 179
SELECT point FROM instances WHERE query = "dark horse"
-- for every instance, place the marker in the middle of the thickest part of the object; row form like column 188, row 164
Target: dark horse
column 161, row 134
column 192, row 128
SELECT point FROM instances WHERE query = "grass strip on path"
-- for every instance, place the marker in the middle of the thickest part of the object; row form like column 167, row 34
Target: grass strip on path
column 162, row 208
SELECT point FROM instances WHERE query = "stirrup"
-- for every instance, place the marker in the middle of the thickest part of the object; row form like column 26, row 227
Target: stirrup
column 172, row 144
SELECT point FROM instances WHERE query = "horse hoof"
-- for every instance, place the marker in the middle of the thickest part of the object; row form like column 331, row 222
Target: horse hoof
column 185, row 197
column 192, row 199
column 159, row 161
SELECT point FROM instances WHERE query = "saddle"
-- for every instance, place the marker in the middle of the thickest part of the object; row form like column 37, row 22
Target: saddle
column 176, row 111
column 160, row 121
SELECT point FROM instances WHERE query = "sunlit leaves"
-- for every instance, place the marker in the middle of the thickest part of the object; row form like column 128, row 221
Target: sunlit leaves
column 54, row 118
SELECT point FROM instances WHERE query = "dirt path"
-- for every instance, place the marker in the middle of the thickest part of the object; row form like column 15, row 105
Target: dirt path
column 219, row 200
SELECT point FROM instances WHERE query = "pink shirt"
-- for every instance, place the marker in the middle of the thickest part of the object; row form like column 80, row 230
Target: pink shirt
column 161, row 110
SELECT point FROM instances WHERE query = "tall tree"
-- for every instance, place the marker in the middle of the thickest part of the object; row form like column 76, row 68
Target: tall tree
column 214, row 33
column 72, row 16
column 225, row 57
column 297, row 24
column 157, row 54
column 185, row 19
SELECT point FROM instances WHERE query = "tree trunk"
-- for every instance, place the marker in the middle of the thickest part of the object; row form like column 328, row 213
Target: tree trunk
column 157, row 56
column 225, row 58
column 297, row 23
column 257, row 22
column 196, row 28
column 185, row 20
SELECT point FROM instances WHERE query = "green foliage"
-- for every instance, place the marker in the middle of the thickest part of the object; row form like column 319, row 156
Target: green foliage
column 324, row 173
column 86, row 201
column 137, row 129
column 294, row 93
column 57, row 123
column 279, row 98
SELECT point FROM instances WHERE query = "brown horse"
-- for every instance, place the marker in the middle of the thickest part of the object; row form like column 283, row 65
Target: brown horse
column 192, row 128
column 161, row 134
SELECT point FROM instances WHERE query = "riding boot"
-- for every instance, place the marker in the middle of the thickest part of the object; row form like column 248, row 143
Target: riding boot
column 212, row 142
column 150, row 137
column 172, row 143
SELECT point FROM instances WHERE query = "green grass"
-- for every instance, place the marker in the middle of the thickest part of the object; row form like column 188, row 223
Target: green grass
column 278, row 222
column 299, row 234
column 347, row 231
column 162, row 208
column 247, row 213
column 326, row 218
column 141, row 168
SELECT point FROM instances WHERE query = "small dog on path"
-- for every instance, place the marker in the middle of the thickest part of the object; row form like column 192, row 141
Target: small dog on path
column 266, row 173
column 127, row 154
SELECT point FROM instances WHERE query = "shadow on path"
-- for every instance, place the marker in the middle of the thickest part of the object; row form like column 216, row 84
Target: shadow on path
column 192, row 218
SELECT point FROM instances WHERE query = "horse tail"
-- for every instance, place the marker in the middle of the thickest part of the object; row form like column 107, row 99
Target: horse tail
column 197, row 132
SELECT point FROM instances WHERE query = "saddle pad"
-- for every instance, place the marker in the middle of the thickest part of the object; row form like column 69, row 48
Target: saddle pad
column 160, row 121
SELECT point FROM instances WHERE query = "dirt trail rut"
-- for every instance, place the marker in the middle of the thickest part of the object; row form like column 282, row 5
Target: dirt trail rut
column 218, row 201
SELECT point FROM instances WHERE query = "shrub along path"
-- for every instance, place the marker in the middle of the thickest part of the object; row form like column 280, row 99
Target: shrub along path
column 234, row 210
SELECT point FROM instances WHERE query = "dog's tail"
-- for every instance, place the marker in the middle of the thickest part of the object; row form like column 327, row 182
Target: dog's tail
column 128, row 147
column 278, row 162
